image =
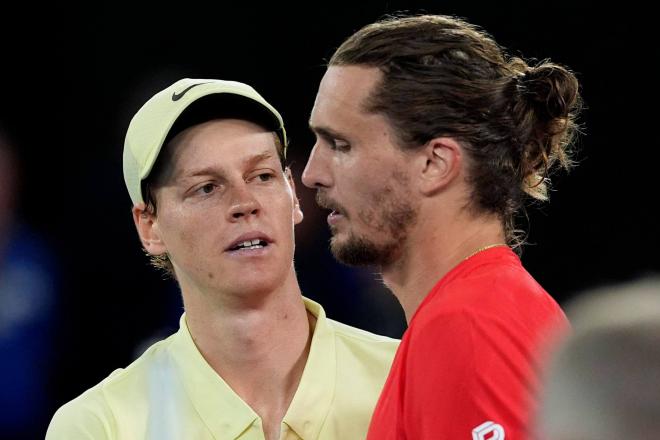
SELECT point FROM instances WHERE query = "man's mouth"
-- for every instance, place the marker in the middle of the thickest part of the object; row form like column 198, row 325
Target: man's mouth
column 250, row 241
column 250, row 244
column 334, row 217
column 324, row 202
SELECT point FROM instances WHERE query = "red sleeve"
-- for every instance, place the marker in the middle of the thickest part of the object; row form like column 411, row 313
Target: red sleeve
column 463, row 380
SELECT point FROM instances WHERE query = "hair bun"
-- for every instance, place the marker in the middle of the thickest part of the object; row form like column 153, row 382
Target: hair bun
column 550, row 88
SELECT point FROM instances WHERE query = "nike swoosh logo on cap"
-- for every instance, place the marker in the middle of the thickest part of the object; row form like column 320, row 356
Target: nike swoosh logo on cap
column 177, row 96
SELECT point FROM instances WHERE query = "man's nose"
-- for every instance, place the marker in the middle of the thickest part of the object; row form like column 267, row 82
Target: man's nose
column 243, row 204
column 317, row 173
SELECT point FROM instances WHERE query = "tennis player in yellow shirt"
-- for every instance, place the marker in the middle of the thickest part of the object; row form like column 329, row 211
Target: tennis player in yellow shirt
column 214, row 204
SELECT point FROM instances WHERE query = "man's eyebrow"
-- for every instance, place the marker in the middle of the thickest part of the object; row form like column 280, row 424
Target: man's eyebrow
column 325, row 132
column 214, row 170
column 255, row 159
column 205, row 171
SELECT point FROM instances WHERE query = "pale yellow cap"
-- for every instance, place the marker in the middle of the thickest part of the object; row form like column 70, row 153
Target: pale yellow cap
column 172, row 107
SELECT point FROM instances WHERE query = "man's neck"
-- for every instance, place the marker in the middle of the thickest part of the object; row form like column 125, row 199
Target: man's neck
column 434, row 247
column 259, row 348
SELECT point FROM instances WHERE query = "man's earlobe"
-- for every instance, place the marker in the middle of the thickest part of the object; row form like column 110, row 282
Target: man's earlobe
column 297, row 212
column 148, row 229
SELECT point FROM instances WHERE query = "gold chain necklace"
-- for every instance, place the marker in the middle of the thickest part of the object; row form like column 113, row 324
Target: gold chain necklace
column 481, row 249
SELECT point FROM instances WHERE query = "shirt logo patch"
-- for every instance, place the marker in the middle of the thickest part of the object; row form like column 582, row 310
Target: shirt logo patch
column 488, row 431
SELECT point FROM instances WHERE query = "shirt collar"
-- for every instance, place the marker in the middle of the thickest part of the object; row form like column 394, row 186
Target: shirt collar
column 227, row 415
column 499, row 254
column 311, row 403
column 221, row 409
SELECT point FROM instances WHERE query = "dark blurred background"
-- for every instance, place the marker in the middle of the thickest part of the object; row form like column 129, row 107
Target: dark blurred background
column 77, row 296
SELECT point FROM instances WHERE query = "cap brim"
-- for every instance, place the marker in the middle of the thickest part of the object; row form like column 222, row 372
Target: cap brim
column 225, row 106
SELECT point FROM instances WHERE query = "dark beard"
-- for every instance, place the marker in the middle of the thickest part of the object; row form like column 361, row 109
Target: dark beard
column 360, row 252
column 391, row 214
column 394, row 223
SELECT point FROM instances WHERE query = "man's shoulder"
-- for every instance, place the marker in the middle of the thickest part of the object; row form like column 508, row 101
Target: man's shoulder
column 348, row 335
column 88, row 416
column 93, row 413
column 491, row 286
column 123, row 381
column 363, row 361
column 345, row 331
column 369, row 345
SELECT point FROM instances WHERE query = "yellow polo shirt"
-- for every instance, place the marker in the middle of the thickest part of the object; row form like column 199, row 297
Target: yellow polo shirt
column 171, row 392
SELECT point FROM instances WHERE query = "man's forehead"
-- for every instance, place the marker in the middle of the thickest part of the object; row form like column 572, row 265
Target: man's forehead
column 232, row 135
column 349, row 85
column 221, row 153
column 343, row 93
column 353, row 76
column 221, row 166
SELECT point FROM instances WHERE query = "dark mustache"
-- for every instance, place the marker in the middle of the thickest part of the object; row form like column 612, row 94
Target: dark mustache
column 325, row 202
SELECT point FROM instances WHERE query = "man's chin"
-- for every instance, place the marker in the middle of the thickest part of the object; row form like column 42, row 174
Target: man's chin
column 358, row 252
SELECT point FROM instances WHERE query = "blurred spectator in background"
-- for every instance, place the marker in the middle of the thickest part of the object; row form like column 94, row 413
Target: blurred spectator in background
column 27, row 311
column 604, row 381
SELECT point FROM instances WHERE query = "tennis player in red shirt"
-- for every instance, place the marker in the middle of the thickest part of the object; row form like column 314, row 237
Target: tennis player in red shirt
column 429, row 141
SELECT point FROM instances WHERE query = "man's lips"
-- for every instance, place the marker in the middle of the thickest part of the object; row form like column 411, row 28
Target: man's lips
column 325, row 202
column 250, row 241
column 334, row 217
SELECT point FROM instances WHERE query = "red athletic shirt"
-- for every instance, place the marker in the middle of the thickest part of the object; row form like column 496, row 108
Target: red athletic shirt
column 468, row 365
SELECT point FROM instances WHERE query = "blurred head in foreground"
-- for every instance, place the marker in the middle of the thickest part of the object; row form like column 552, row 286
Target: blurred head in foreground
column 604, row 380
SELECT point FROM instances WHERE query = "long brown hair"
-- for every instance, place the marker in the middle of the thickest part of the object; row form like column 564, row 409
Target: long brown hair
column 443, row 76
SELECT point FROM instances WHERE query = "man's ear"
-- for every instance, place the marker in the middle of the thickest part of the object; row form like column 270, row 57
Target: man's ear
column 146, row 224
column 441, row 161
column 297, row 211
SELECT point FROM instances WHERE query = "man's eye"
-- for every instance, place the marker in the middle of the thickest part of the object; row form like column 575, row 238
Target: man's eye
column 207, row 189
column 340, row 145
column 261, row 175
